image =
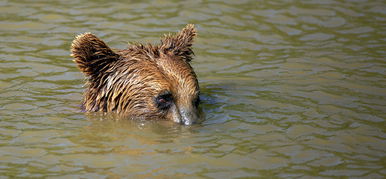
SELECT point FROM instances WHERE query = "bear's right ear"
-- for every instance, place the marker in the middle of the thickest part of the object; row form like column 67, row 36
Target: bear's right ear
column 91, row 54
column 180, row 44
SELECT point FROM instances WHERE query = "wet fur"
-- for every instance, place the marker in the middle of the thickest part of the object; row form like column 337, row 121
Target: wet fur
column 127, row 81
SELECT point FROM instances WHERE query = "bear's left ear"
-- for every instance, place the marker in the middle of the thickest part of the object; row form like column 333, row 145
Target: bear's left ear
column 91, row 54
column 180, row 44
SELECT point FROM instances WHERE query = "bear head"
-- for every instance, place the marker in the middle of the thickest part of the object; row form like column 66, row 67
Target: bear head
column 143, row 81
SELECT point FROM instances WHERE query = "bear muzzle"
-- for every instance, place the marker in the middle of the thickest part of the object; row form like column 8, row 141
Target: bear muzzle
column 188, row 116
column 185, row 116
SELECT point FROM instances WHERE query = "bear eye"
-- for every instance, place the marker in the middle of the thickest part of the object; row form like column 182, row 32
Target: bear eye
column 164, row 100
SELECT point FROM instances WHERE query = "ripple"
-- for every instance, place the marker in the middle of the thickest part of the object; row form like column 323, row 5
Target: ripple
column 358, row 30
column 317, row 37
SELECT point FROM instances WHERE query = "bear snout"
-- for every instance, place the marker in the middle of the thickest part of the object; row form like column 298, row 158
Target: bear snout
column 188, row 116
column 184, row 115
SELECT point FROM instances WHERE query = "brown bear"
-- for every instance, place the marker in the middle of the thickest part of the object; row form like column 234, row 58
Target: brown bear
column 142, row 81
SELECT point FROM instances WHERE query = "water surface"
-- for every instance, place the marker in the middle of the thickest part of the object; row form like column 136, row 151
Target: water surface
column 290, row 89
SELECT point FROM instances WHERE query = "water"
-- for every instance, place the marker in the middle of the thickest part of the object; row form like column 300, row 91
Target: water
column 290, row 89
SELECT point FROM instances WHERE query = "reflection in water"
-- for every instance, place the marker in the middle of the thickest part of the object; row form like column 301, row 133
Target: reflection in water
column 289, row 90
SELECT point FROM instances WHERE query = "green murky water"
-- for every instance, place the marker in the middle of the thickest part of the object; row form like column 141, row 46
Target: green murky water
column 291, row 89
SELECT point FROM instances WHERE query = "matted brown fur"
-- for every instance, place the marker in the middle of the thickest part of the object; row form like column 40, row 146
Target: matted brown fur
column 141, row 80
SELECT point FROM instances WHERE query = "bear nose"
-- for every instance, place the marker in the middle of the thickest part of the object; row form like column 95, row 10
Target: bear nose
column 184, row 115
column 188, row 116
